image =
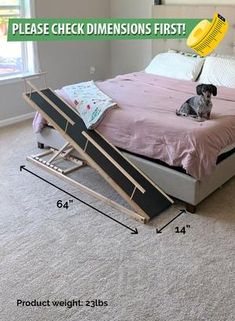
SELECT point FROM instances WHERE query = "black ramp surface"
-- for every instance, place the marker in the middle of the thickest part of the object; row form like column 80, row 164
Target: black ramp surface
column 152, row 202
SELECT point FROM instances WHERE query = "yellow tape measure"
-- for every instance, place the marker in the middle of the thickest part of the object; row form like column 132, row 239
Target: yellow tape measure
column 206, row 36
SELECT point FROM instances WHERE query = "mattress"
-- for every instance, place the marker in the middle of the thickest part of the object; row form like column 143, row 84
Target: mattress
column 146, row 123
column 227, row 149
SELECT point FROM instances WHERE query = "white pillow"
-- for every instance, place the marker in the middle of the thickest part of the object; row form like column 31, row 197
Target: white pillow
column 175, row 65
column 218, row 71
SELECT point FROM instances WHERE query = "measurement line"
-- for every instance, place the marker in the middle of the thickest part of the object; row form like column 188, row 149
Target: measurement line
column 134, row 231
column 160, row 230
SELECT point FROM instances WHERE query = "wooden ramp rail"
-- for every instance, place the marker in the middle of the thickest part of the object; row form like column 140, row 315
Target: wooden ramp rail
column 146, row 198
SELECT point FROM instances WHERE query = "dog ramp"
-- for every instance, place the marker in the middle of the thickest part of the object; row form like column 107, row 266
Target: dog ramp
column 146, row 199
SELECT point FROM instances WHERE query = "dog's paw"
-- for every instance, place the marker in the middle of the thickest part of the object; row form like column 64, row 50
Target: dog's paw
column 199, row 119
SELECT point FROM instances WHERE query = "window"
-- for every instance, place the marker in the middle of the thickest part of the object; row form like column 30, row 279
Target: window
column 16, row 58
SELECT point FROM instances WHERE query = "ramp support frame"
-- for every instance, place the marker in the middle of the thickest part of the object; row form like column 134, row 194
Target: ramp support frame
column 52, row 167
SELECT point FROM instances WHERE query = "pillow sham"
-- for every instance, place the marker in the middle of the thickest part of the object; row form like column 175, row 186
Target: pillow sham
column 218, row 71
column 175, row 65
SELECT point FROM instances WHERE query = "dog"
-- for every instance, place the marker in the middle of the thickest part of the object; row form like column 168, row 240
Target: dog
column 200, row 106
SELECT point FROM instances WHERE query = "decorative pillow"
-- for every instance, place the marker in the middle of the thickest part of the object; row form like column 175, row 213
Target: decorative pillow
column 91, row 103
column 219, row 71
column 175, row 65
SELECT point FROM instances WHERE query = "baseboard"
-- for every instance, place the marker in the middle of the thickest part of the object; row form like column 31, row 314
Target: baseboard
column 17, row 119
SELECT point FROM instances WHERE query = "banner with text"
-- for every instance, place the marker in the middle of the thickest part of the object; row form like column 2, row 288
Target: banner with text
column 98, row 29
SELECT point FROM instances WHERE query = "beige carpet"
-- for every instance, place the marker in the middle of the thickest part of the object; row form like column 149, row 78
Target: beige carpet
column 77, row 254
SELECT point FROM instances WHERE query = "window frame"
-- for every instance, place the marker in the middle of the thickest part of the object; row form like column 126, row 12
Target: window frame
column 28, row 49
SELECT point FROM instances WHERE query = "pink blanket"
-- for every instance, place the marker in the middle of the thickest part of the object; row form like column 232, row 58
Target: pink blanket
column 146, row 122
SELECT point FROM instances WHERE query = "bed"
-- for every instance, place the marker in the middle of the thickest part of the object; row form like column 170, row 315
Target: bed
column 193, row 173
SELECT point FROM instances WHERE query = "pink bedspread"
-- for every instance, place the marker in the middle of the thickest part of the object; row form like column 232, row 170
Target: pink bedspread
column 146, row 122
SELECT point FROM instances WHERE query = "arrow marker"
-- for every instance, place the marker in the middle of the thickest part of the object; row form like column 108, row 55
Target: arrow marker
column 133, row 231
column 159, row 231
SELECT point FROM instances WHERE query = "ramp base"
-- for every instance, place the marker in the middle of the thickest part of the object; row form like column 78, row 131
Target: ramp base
column 52, row 167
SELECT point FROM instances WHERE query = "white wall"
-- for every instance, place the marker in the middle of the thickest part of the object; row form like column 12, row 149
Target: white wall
column 65, row 62
column 130, row 55
column 68, row 62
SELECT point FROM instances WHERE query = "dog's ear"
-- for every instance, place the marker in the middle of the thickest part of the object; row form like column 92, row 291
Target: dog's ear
column 199, row 89
column 214, row 90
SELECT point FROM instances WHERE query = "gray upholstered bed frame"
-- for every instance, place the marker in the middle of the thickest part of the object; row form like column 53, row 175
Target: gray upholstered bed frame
column 174, row 183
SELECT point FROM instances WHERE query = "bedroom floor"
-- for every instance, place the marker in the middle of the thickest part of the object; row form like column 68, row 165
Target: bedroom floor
column 76, row 254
